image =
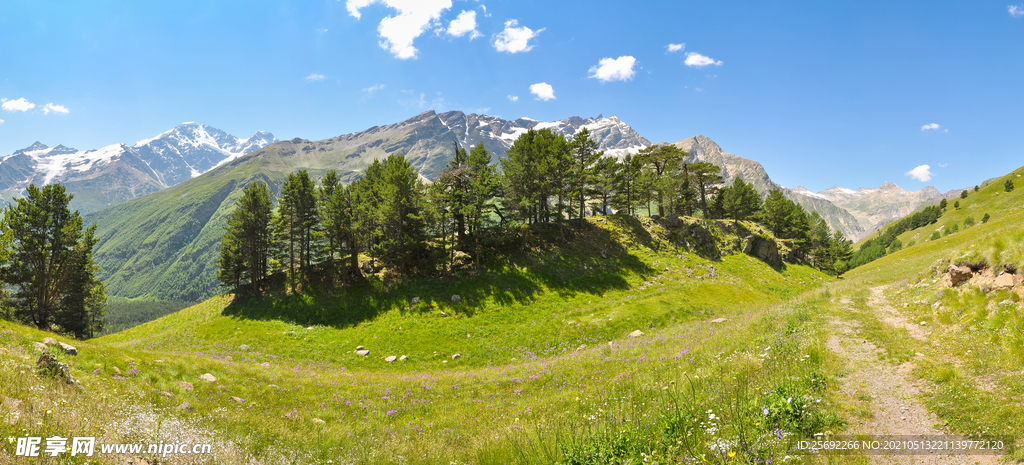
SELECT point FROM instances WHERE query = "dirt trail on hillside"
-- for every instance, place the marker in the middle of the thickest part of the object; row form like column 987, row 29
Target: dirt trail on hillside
column 890, row 390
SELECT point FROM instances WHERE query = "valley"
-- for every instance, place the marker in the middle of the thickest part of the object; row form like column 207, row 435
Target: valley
column 566, row 354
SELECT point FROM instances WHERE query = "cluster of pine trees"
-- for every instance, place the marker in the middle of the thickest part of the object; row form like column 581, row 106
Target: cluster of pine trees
column 389, row 214
column 46, row 265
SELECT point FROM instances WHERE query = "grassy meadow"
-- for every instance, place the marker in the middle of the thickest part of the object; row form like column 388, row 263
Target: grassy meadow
column 535, row 362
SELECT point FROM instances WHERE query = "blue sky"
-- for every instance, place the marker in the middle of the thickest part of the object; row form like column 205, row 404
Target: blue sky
column 821, row 93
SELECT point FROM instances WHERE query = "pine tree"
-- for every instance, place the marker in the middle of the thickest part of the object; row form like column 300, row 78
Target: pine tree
column 1008, row 185
column 628, row 186
column 531, row 174
column 247, row 240
column 841, row 251
column 741, row 201
column 390, row 200
column 297, row 221
column 705, row 177
column 584, row 158
column 664, row 161
column 50, row 264
column 328, row 186
column 603, row 184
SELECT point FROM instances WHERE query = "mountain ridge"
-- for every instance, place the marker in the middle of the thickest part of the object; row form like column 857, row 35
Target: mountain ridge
column 99, row 178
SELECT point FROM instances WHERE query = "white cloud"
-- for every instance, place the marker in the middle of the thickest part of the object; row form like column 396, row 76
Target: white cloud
column 464, row 24
column 399, row 32
column 675, row 47
column 17, row 105
column 55, row 108
column 484, row 8
column 921, row 173
column 315, row 77
column 1015, row 10
column 543, row 91
column 373, row 89
column 354, row 6
column 618, row 69
column 929, row 126
column 943, row 165
column 514, row 98
column 700, row 61
column 1, row 121
column 515, row 39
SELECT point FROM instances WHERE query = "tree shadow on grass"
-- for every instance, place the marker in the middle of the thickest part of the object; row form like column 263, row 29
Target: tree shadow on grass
column 565, row 258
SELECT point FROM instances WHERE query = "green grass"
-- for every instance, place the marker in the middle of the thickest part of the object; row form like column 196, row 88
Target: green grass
column 975, row 352
column 546, row 371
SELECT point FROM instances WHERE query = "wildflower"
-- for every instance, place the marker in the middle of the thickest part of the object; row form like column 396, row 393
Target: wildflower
column 765, row 411
column 732, row 454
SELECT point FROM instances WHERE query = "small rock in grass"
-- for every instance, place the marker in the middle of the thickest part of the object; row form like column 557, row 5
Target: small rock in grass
column 390, row 358
column 360, row 347
column 185, row 406
column 363, row 352
column 402, row 358
column 265, row 364
column 208, row 378
column 636, row 333
column 116, row 370
column 166, row 394
column 272, row 386
column 415, row 300
column 719, row 320
column 185, row 385
column 244, row 347
column 924, row 323
column 68, row 349
column 319, row 421
column 456, row 356
column 310, row 328
column 50, row 341
column 237, row 399
column 39, row 346
column 456, row 298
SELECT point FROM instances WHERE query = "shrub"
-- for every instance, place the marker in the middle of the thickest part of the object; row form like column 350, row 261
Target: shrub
column 963, row 195
column 968, row 222
column 1008, row 186
column 935, row 235
column 985, row 218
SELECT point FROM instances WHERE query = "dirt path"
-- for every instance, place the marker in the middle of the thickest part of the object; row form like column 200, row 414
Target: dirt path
column 890, row 390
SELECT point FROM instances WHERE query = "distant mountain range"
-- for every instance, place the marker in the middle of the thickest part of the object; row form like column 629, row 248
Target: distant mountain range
column 117, row 173
column 164, row 245
column 874, row 208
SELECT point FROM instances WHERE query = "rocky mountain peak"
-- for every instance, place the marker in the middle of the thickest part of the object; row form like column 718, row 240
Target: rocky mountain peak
column 891, row 187
column 32, row 148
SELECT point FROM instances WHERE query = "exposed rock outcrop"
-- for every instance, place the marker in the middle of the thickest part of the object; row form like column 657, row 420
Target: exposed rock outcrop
column 763, row 249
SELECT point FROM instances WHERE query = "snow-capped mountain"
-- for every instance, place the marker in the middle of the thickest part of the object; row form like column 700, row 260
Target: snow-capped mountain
column 875, row 208
column 191, row 149
column 118, row 172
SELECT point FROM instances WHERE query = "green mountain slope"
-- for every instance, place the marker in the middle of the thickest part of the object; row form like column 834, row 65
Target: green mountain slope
column 164, row 245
